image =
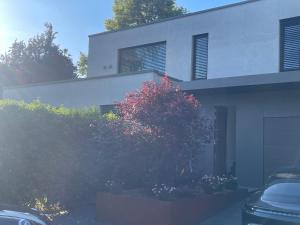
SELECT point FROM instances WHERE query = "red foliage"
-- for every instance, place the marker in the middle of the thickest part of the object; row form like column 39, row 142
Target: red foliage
column 160, row 107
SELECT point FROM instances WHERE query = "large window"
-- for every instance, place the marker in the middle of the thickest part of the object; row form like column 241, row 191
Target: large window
column 290, row 44
column 200, row 56
column 140, row 58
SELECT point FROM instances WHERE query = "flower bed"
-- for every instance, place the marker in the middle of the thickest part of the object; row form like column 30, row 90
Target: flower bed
column 132, row 210
column 150, row 161
column 212, row 184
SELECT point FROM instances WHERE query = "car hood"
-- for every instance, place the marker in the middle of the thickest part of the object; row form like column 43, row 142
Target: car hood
column 255, row 201
column 21, row 215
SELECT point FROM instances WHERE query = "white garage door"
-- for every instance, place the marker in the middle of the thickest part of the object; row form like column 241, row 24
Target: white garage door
column 281, row 143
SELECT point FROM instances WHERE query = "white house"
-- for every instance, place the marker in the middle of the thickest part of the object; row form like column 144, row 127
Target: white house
column 241, row 60
column 239, row 39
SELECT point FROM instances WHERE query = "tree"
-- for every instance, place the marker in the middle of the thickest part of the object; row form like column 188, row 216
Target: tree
column 82, row 65
column 40, row 60
column 128, row 13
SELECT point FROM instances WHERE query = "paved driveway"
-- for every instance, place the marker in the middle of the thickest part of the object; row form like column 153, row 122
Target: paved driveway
column 83, row 216
column 230, row 216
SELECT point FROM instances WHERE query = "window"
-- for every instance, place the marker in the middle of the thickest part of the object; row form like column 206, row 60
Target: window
column 200, row 56
column 141, row 58
column 107, row 108
column 290, row 44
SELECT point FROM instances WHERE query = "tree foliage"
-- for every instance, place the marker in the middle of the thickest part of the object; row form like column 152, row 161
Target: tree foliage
column 39, row 60
column 128, row 13
column 82, row 66
column 162, row 108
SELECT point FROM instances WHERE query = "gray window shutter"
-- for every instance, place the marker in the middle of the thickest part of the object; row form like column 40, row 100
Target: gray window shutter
column 200, row 56
column 290, row 44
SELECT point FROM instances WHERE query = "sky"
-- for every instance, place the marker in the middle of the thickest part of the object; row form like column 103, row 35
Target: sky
column 74, row 20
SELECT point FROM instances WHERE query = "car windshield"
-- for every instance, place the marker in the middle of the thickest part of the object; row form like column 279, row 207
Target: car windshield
column 282, row 194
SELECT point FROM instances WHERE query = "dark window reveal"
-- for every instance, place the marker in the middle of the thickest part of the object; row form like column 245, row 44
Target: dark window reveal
column 200, row 56
column 141, row 58
column 290, row 44
column 107, row 108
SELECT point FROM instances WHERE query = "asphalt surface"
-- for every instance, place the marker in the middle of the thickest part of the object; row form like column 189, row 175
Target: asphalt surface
column 82, row 216
column 230, row 216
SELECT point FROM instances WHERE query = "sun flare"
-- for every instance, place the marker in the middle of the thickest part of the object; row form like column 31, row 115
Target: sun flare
column 5, row 33
column 4, row 39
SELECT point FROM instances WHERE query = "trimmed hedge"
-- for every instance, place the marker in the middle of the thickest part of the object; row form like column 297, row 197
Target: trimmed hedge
column 46, row 151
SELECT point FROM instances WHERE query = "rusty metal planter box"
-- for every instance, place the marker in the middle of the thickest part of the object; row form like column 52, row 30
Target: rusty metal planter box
column 129, row 210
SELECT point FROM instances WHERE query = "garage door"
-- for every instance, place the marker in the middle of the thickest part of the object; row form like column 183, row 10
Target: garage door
column 281, row 143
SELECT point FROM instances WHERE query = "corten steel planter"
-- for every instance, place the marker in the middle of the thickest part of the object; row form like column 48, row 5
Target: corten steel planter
column 129, row 210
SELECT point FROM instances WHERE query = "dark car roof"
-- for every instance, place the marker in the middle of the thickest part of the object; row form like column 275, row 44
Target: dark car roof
column 273, row 201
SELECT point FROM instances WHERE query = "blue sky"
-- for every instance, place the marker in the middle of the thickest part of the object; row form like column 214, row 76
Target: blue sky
column 74, row 20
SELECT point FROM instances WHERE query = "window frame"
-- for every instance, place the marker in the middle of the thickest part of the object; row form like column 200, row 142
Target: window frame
column 139, row 46
column 194, row 55
column 283, row 23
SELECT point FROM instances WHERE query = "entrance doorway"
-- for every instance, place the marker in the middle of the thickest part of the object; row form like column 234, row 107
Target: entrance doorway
column 220, row 146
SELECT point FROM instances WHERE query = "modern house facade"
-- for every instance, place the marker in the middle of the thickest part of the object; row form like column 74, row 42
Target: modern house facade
column 242, row 61
column 242, row 39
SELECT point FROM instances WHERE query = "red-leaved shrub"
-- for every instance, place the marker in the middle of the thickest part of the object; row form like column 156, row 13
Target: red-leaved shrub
column 158, row 136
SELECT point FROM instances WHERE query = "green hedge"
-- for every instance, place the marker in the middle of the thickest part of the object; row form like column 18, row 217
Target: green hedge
column 46, row 151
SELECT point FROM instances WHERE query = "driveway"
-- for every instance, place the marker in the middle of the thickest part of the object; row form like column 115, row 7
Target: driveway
column 230, row 216
column 87, row 215
column 82, row 216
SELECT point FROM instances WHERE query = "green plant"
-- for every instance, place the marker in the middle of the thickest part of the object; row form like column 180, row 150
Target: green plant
column 47, row 209
column 110, row 116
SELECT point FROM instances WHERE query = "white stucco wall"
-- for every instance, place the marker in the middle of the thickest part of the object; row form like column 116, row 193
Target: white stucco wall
column 243, row 40
column 82, row 93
